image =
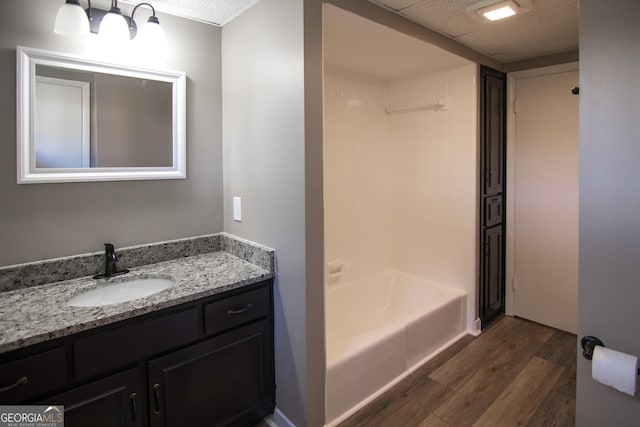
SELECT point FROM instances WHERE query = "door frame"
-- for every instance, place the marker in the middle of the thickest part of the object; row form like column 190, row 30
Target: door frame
column 512, row 79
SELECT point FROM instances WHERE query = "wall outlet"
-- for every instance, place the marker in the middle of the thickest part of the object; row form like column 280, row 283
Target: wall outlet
column 237, row 209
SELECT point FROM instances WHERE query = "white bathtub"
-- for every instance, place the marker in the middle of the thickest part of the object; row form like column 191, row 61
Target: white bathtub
column 381, row 328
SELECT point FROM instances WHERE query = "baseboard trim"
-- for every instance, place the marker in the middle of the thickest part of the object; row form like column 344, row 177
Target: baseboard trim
column 477, row 328
column 278, row 419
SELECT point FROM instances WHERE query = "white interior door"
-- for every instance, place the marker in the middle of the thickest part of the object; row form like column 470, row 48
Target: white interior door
column 61, row 123
column 545, row 245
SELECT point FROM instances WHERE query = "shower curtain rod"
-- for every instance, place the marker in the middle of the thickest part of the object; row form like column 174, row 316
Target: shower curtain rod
column 438, row 106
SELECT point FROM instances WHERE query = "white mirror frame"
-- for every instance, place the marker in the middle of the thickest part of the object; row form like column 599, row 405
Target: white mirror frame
column 28, row 58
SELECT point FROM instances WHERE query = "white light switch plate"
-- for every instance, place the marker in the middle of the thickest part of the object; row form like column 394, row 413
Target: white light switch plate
column 237, row 209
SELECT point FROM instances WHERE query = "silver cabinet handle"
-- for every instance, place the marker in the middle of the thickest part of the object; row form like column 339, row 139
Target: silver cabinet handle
column 134, row 407
column 156, row 398
column 21, row 381
column 238, row 310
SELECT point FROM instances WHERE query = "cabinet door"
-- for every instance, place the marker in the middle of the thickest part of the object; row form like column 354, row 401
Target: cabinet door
column 493, row 273
column 493, row 133
column 114, row 401
column 223, row 381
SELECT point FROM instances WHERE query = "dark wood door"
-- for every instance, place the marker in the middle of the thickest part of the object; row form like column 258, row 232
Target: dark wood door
column 493, row 132
column 224, row 381
column 492, row 193
column 493, row 272
column 115, row 401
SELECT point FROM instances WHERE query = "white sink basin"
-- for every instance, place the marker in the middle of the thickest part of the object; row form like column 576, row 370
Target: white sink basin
column 124, row 291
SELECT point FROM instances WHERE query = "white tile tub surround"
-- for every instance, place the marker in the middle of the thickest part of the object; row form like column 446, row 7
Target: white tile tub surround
column 400, row 189
column 434, row 159
column 357, row 170
column 373, row 342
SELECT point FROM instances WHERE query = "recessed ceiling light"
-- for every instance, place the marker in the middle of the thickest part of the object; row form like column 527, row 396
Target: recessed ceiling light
column 494, row 10
column 500, row 13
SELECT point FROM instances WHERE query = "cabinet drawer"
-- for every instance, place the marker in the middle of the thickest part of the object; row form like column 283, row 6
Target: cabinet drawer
column 236, row 310
column 43, row 372
column 493, row 212
column 101, row 352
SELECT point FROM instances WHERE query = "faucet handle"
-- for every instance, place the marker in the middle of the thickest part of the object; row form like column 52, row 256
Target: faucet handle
column 108, row 247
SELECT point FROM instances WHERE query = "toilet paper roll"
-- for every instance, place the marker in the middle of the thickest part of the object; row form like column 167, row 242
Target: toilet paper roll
column 616, row 369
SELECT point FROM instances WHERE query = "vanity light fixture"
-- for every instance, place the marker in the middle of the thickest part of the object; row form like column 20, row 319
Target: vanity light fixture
column 494, row 10
column 71, row 20
column 111, row 25
column 151, row 37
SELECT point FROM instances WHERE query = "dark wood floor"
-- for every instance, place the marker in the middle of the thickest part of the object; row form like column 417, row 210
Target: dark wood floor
column 517, row 373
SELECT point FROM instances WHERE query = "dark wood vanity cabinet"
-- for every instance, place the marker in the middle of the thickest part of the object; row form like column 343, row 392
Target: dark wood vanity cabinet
column 221, row 381
column 204, row 363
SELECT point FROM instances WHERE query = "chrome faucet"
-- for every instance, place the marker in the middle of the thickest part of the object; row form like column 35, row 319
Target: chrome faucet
column 110, row 259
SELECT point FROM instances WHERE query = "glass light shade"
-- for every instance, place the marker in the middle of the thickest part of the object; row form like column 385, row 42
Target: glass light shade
column 71, row 20
column 152, row 41
column 114, row 28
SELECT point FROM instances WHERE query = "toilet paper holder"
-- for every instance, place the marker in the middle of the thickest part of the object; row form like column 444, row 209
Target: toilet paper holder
column 589, row 344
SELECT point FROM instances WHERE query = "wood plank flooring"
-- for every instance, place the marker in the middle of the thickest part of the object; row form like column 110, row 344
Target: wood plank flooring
column 517, row 373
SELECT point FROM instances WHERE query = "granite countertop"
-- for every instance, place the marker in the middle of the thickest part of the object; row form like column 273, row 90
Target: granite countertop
column 37, row 314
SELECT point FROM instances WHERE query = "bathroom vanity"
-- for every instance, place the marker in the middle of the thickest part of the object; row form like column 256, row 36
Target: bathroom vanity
column 197, row 354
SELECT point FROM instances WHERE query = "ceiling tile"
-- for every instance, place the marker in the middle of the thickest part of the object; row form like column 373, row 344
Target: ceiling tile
column 218, row 12
column 447, row 17
column 398, row 4
column 534, row 32
column 551, row 27
column 534, row 51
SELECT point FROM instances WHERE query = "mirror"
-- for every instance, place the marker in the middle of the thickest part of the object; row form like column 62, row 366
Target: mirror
column 84, row 120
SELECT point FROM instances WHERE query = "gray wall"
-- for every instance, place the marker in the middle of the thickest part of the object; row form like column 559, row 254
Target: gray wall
column 264, row 163
column 39, row 221
column 609, row 283
column 314, row 211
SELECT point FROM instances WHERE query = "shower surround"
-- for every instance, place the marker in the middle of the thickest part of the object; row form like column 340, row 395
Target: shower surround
column 400, row 197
